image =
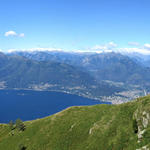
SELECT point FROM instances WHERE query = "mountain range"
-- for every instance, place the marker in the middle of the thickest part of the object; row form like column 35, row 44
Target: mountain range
column 17, row 72
column 104, row 66
column 128, row 72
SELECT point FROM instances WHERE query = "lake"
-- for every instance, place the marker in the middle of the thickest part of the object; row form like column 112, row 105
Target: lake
column 29, row 105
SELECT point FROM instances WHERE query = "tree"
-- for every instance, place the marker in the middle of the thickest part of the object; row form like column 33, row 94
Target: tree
column 11, row 125
column 20, row 125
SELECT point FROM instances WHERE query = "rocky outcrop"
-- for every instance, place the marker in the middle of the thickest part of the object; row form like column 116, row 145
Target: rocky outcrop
column 142, row 117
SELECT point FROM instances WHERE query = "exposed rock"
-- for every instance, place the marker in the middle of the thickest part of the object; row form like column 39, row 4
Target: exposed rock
column 72, row 127
column 95, row 126
column 140, row 133
column 142, row 118
column 143, row 148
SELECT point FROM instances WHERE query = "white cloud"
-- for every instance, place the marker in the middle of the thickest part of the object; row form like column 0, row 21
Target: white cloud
column 10, row 33
column 13, row 33
column 99, row 47
column 34, row 50
column 21, row 35
column 44, row 49
column 133, row 43
column 147, row 46
column 134, row 50
column 54, row 50
column 111, row 45
column 104, row 48
column 119, row 50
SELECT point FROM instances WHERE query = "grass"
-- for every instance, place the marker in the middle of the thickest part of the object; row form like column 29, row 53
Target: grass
column 99, row 127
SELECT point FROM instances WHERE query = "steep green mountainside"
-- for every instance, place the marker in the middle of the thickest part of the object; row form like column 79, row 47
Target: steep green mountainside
column 99, row 127
column 22, row 73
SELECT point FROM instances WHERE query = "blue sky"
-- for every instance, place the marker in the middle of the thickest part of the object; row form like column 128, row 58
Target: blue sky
column 74, row 24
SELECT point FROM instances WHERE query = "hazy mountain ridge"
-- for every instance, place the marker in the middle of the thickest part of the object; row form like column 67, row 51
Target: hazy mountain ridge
column 99, row 127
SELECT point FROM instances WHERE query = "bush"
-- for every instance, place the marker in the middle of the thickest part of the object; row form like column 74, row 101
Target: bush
column 20, row 125
column 11, row 125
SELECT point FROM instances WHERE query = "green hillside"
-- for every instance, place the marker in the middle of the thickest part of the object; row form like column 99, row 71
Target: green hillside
column 99, row 127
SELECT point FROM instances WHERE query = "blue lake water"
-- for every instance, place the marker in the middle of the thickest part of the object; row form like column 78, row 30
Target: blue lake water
column 29, row 105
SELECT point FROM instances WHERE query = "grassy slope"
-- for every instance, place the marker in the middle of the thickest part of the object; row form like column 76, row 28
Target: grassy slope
column 99, row 127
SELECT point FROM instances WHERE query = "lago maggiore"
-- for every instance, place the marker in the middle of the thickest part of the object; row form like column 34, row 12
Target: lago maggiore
column 29, row 105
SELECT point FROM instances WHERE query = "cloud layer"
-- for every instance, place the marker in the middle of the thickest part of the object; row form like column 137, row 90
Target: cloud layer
column 108, row 47
column 112, row 47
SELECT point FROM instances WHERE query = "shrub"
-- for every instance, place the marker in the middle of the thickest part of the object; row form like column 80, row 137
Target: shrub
column 20, row 125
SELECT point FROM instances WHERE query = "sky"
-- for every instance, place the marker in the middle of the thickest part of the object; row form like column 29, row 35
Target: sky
column 75, row 25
